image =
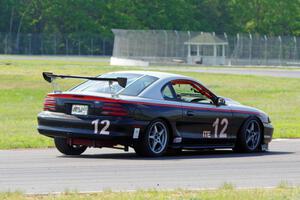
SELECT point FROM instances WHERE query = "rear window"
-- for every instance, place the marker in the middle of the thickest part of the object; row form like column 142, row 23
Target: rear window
column 138, row 86
column 136, row 83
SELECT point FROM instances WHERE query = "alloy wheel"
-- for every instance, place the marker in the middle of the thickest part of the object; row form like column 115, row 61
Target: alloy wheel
column 157, row 137
column 253, row 134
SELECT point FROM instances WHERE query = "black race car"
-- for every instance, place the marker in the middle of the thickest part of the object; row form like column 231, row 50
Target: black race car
column 150, row 112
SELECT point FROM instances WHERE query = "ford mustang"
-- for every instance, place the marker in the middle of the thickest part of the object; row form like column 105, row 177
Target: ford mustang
column 152, row 112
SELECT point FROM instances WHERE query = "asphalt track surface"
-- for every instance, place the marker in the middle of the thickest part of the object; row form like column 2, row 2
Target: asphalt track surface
column 46, row 170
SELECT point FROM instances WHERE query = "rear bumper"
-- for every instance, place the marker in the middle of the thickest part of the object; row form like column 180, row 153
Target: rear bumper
column 121, row 129
column 268, row 132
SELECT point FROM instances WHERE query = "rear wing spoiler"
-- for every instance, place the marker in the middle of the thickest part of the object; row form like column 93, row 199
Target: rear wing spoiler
column 49, row 77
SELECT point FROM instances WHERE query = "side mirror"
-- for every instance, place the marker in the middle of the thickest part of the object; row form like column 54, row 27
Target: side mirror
column 221, row 101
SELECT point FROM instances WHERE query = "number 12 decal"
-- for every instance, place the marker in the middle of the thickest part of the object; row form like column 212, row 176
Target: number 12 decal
column 224, row 123
column 104, row 129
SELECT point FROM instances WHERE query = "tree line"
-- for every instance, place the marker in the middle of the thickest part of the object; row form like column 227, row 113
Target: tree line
column 271, row 17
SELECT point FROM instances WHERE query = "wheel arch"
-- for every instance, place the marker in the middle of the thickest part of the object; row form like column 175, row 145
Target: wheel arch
column 251, row 117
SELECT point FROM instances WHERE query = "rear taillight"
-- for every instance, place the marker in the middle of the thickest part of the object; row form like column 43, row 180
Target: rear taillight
column 113, row 109
column 50, row 103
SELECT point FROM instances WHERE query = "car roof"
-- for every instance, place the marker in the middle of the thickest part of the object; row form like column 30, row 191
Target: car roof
column 160, row 75
column 154, row 90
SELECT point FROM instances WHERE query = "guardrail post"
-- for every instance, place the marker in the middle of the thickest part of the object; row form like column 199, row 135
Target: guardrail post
column 280, row 50
column 166, row 44
column 266, row 49
column 295, row 48
column 250, row 48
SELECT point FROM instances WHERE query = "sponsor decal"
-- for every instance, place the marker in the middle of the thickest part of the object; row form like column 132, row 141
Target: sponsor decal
column 136, row 133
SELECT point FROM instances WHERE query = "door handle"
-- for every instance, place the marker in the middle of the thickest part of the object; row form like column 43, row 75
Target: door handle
column 190, row 113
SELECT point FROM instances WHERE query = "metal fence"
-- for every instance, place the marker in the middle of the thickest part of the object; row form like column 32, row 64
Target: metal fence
column 55, row 44
column 162, row 46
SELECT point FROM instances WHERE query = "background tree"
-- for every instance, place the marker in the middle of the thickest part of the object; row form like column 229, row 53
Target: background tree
column 280, row 17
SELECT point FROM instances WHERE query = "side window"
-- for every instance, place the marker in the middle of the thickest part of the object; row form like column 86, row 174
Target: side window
column 167, row 93
column 189, row 93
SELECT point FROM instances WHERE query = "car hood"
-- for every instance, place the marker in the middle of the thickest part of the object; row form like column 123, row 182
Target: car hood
column 231, row 101
column 236, row 105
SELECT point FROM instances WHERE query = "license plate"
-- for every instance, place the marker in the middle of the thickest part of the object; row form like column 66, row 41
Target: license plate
column 79, row 110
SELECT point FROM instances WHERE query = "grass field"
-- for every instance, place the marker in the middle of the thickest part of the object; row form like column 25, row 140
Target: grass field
column 22, row 92
column 220, row 194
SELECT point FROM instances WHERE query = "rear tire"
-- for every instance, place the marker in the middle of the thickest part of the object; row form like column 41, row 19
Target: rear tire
column 155, row 141
column 250, row 137
column 62, row 146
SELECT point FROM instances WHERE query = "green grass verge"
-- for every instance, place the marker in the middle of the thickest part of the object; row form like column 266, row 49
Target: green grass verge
column 220, row 194
column 22, row 92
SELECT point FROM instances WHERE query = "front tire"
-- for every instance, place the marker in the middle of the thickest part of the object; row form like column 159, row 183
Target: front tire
column 155, row 141
column 250, row 137
column 62, row 146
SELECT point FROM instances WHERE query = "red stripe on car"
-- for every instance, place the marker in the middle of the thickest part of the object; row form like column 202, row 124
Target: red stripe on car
column 103, row 99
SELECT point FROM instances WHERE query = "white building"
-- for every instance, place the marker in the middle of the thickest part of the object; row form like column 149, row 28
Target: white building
column 207, row 49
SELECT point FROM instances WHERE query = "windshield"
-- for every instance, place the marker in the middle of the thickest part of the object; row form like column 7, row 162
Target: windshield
column 136, row 83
